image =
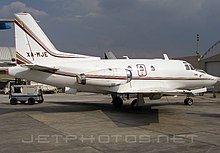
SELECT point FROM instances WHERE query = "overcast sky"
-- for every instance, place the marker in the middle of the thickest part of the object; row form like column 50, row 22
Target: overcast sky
column 137, row 28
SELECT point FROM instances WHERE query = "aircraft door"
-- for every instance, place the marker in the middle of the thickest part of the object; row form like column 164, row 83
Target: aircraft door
column 141, row 69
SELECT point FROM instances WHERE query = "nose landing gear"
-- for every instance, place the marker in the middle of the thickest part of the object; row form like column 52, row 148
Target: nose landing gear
column 188, row 101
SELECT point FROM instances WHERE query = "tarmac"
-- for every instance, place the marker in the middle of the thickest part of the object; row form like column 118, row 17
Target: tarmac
column 88, row 123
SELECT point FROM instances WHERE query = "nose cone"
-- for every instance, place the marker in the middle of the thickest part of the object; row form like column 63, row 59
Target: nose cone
column 210, row 80
column 215, row 79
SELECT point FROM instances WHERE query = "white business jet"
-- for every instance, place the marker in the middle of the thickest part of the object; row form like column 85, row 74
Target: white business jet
column 40, row 61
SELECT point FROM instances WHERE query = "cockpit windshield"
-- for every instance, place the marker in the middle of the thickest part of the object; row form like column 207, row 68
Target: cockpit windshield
column 191, row 67
column 188, row 66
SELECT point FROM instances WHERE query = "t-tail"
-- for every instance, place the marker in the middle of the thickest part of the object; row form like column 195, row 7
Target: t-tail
column 33, row 46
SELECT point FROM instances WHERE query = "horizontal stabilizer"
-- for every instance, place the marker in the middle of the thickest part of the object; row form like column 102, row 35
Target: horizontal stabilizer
column 40, row 68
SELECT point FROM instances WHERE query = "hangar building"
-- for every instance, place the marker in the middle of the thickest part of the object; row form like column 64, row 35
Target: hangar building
column 210, row 61
column 7, row 56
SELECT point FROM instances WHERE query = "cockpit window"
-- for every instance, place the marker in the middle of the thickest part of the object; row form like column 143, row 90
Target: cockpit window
column 192, row 68
column 187, row 67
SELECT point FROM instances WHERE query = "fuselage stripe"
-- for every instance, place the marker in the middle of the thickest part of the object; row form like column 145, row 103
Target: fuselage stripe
column 22, row 59
column 125, row 78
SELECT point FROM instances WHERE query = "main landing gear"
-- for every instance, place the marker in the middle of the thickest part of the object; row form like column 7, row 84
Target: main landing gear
column 117, row 102
column 188, row 101
column 137, row 104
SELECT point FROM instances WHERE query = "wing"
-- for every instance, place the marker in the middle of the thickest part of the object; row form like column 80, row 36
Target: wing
column 193, row 92
column 167, row 91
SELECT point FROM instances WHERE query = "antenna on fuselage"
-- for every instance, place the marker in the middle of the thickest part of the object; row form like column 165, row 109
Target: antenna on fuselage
column 126, row 57
column 165, row 57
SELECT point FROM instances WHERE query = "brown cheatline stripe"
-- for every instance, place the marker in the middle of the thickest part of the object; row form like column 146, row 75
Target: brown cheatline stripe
column 169, row 78
column 22, row 59
column 122, row 77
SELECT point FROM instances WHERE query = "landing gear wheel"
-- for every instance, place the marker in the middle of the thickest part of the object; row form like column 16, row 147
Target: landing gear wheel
column 117, row 102
column 31, row 101
column 188, row 101
column 134, row 105
column 13, row 101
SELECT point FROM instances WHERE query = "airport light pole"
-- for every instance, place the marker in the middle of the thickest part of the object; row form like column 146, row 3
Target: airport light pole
column 197, row 47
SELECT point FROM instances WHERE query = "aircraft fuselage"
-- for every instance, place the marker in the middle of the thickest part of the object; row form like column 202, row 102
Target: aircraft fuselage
column 146, row 75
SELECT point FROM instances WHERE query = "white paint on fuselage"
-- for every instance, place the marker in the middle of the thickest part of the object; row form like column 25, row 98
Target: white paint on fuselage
column 165, row 76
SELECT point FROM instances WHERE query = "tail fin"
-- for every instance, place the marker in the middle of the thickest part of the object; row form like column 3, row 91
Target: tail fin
column 32, row 45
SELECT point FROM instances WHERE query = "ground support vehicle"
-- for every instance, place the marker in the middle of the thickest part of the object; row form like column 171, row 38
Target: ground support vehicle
column 25, row 93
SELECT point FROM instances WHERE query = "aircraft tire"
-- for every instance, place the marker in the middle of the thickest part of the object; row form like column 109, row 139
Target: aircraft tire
column 188, row 101
column 117, row 102
column 134, row 107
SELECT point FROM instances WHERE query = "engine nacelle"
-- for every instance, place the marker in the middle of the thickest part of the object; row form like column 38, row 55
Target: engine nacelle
column 106, row 77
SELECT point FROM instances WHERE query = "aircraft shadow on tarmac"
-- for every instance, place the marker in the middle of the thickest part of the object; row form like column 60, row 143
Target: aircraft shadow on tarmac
column 212, row 115
column 123, row 117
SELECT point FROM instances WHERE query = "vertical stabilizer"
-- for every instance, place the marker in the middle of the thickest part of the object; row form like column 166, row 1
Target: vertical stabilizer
column 32, row 45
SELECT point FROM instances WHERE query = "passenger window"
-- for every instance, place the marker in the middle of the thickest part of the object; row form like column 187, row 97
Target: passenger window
column 152, row 68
